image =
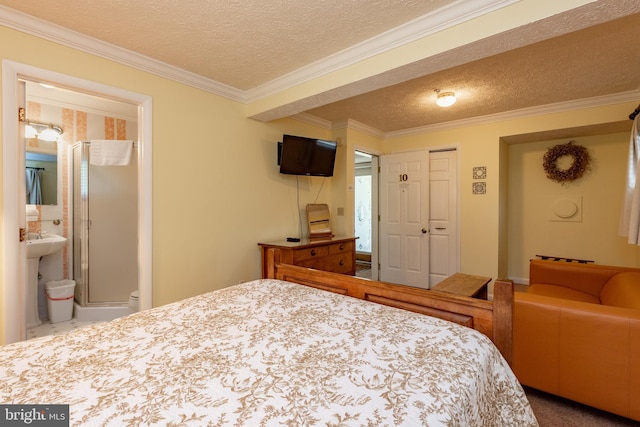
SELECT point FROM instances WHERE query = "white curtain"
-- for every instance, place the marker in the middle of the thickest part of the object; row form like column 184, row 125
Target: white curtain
column 34, row 191
column 630, row 218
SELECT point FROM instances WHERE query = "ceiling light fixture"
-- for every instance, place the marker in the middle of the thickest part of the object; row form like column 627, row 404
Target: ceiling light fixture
column 445, row 99
column 42, row 131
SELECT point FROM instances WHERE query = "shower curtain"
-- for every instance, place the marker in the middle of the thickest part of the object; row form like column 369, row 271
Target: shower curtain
column 34, row 190
column 630, row 218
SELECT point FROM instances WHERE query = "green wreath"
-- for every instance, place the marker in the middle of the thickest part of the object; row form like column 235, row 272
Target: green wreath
column 579, row 166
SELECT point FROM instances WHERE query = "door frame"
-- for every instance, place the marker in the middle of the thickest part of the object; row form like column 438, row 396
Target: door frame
column 14, row 252
column 375, row 196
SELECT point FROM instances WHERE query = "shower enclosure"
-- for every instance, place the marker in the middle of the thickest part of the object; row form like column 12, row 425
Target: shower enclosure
column 105, row 235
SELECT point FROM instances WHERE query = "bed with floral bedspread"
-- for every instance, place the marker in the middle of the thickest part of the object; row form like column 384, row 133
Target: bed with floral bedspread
column 269, row 353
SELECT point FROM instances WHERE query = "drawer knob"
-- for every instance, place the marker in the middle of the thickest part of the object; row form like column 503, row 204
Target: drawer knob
column 341, row 246
column 341, row 262
column 313, row 252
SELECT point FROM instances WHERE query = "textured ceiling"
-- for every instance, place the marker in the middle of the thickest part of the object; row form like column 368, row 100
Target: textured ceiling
column 241, row 44
column 587, row 52
column 597, row 61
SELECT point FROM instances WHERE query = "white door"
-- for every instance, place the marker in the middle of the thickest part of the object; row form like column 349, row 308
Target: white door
column 443, row 209
column 404, row 218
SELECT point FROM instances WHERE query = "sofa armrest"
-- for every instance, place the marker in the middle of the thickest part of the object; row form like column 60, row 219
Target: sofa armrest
column 587, row 278
column 581, row 351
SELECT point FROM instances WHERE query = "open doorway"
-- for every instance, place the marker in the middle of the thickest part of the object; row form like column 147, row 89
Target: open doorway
column 14, row 276
column 366, row 214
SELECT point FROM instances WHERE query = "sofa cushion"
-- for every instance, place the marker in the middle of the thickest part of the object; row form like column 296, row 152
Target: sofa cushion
column 561, row 292
column 622, row 290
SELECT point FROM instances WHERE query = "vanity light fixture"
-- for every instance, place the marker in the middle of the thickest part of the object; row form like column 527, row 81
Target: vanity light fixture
column 43, row 131
column 445, row 99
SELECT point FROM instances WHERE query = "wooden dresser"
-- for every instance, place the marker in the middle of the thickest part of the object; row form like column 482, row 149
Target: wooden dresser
column 337, row 254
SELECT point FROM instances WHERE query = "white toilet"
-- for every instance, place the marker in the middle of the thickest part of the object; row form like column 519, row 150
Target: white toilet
column 133, row 301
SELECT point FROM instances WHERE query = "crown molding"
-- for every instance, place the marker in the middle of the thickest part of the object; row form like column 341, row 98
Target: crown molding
column 356, row 125
column 340, row 124
column 423, row 26
column 312, row 120
column 560, row 107
column 28, row 24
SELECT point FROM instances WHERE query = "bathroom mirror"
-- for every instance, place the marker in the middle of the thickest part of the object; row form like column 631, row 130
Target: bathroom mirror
column 42, row 166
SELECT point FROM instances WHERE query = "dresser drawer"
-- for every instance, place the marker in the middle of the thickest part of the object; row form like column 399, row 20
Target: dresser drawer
column 342, row 263
column 315, row 252
column 339, row 263
column 340, row 248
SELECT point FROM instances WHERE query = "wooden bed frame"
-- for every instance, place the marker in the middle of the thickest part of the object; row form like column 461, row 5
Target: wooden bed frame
column 492, row 318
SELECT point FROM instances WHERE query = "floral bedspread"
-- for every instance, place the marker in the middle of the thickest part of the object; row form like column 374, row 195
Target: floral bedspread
column 269, row 353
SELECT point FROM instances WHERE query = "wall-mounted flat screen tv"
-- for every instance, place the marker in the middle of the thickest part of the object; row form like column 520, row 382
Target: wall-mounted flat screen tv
column 306, row 156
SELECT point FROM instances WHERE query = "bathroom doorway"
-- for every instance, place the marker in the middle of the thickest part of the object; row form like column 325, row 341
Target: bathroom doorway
column 96, row 207
column 13, row 170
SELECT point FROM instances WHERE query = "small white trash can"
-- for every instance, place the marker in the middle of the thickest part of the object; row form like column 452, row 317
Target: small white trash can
column 60, row 299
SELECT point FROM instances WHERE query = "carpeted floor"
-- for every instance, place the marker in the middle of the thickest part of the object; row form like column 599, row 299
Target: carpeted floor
column 552, row 411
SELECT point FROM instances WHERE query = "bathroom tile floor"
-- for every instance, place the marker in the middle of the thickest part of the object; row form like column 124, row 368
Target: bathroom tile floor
column 48, row 328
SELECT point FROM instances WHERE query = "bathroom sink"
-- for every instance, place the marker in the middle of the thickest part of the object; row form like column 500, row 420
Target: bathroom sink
column 38, row 246
column 46, row 245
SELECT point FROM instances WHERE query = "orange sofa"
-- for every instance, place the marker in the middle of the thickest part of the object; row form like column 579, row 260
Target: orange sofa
column 577, row 334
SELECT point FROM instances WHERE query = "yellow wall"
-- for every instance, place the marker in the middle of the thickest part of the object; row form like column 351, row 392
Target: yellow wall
column 216, row 186
column 591, row 234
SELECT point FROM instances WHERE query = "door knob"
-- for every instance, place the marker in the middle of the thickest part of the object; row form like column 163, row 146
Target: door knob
column 424, row 231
